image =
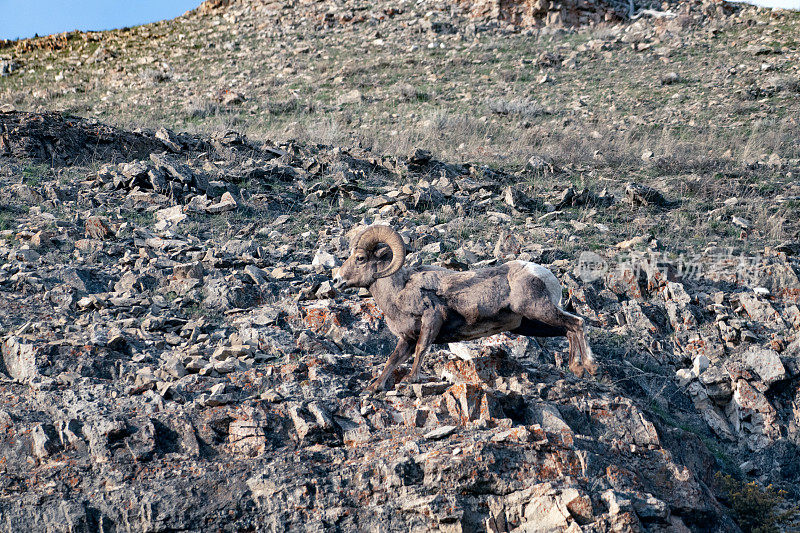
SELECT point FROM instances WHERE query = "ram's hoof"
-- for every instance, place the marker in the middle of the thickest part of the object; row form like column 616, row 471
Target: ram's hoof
column 591, row 367
column 577, row 369
column 413, row 378
column 373, row 388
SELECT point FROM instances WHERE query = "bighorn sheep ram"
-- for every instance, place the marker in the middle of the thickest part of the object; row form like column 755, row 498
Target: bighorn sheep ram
column 433, row 305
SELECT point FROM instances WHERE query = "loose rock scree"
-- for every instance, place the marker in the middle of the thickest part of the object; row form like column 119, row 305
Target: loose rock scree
column 432, row 305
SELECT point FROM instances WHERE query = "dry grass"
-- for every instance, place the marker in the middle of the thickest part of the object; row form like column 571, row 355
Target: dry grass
column 586, row 102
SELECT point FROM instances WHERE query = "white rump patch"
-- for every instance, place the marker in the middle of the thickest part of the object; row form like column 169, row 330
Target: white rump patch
column 548, row 278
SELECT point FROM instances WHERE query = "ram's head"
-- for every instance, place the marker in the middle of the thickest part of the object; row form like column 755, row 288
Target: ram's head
column 378, row 252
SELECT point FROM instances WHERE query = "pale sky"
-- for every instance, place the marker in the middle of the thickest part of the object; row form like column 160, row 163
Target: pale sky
column 24, row 18
column 783, row 4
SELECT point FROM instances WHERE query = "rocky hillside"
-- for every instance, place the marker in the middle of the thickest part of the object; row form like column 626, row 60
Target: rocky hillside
column 174, row 356
column 513, row 14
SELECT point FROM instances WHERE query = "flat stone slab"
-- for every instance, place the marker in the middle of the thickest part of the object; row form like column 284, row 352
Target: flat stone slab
column 441, row 432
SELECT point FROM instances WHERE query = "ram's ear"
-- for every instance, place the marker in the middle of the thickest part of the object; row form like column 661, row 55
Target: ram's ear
column 383, row 253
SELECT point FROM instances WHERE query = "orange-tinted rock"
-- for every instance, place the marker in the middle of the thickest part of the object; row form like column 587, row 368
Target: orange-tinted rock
column 467, row 403
column 579, row 505
column 752, row 415
column 701, row 343
column 516, row 434
column 356, row 436
column 624, row 282
column 415, row 417
column 478, row 371
column 319, row 318
column 247, row 437
column 535, row 13
column 98, row 228
column 623, row 421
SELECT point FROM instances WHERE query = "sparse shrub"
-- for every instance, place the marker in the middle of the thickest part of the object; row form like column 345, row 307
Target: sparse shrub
column 755, row 92
column 156, row 75
column 7, row 219
column 548, row 60
column 755, row 509
column 520, row 108
column 409, row 93
column 605, row 33
column 198, row 108
column 670, row 78
column 782, row 83
column 32, row 174
column 283, row 107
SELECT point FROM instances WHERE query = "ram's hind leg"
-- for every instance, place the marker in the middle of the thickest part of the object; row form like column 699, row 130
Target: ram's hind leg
column 577, row 344
column 587, row 357
column 574, row 362
column 545, row 312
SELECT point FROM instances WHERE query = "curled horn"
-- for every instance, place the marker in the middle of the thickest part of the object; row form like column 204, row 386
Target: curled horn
column 374, row 235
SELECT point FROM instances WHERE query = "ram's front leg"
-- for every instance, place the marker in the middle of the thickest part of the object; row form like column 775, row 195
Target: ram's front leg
column 398, row 356
column 432, row 321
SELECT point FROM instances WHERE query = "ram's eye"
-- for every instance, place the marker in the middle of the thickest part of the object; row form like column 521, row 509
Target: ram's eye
column 361, row 259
